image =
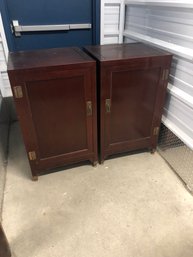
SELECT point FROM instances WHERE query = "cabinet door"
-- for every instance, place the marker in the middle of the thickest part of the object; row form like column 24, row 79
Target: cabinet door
column 129, row 96
column 58, row 116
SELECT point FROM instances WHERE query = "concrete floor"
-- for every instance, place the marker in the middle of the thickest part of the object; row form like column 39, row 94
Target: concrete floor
column 4, row 132
column 132, row 206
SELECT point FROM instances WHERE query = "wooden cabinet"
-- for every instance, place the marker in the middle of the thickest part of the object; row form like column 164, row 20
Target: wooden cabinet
column 132, row 82
column 55, row 96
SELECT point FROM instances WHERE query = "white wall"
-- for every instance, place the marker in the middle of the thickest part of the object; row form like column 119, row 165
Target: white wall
column 4, row 81
column 112, row 21
column 168, row 25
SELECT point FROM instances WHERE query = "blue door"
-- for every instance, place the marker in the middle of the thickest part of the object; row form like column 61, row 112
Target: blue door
column 49, row 12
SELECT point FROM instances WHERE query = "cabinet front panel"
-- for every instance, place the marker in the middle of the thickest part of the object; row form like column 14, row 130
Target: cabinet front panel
column 59, row 115
column 133, row 96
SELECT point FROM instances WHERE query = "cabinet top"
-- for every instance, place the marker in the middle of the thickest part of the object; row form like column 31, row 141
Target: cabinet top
column 116, row 52
column 47, row 58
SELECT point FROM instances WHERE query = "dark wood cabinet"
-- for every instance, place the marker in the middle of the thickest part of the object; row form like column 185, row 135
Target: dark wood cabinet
column 55, row 96
column 132, row 82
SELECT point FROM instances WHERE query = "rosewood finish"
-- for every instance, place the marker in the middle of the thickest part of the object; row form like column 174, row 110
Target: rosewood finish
column 55, row 96
column 132, row 82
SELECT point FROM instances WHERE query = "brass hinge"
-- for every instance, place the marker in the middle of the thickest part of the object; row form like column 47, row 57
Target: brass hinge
column 32, row 156
column 108, row 105
column 89, row 108
column 18, row 92
column 165, row 74
column 156, row 131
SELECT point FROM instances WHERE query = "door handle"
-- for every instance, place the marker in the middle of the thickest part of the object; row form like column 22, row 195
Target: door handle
column 108, row 105
column 17, row 29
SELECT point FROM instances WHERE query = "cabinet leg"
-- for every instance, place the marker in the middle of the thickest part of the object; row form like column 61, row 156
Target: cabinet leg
column 94, row 164
column 34, row 178
column 153, row 150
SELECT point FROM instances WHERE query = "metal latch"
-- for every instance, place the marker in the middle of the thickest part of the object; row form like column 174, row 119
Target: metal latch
column 18, row 92
column 165, row 74
column 156, row 131
column 108, row 105
column 89, row 108
column 32, row 155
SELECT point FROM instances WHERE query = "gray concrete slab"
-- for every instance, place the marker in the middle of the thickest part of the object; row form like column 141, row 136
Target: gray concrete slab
column 4, row 134
column 133, row 206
